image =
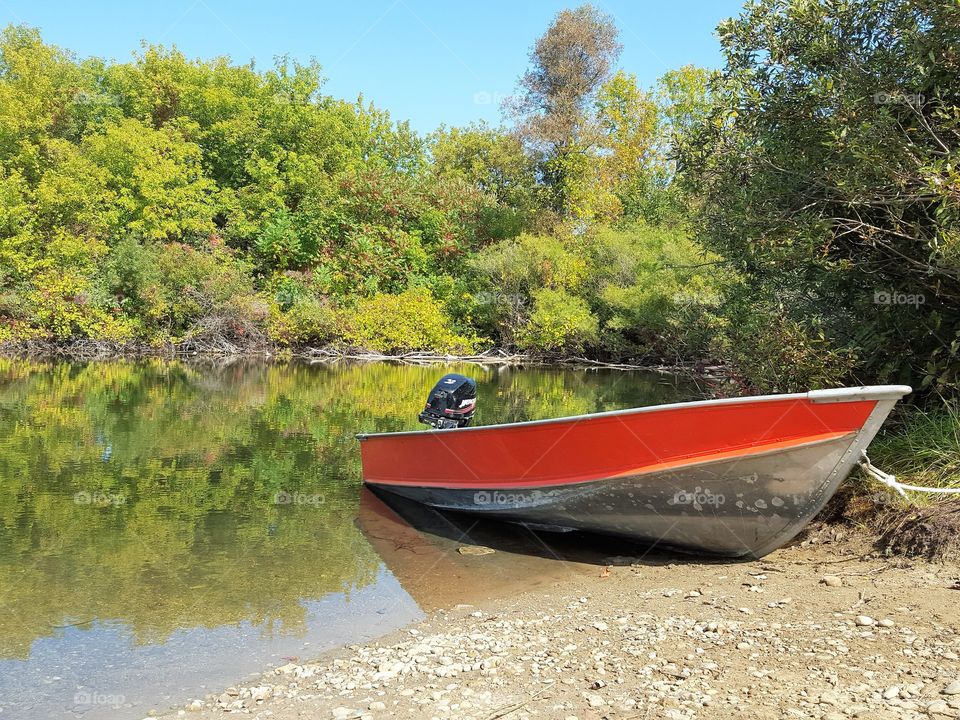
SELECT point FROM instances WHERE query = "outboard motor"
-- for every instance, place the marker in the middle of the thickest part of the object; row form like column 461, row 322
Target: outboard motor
column 451, row 403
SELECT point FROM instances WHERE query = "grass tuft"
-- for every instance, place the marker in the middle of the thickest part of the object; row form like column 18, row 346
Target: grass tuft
column 923, row 450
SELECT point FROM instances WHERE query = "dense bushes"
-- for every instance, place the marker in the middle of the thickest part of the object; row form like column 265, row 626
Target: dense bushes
column 412, row 320
column 639, row 290
column 169, row 200
column 154, row 200
column 827, row 171
column 558, row 322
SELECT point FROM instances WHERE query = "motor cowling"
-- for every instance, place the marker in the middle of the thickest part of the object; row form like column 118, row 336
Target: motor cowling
column 451, row 403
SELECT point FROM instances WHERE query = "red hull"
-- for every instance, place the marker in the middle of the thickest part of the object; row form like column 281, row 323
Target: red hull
column 735, row 477
column 602, row 446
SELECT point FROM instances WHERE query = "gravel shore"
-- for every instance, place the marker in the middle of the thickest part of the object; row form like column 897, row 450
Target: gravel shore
column 804, row 633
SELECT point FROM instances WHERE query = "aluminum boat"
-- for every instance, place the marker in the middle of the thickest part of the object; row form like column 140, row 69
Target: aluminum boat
column 735, row 477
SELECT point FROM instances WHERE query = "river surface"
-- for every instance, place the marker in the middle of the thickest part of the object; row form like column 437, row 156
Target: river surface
column 168, row 529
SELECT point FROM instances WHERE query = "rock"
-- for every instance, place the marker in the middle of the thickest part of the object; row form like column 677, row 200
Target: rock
column 342, row 713
column 594, row 700
column 829, row 698
column 938, row 707
column 475, row 550
column 832, row 580
column 886, row 622
column 864, row 620
column 377, row 705
column 601, row 626
column 195, row 706
column 891, row 692
column 953, row 688
column 260, row 693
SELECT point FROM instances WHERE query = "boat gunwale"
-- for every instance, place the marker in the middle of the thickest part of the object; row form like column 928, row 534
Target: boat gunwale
column 855, row 394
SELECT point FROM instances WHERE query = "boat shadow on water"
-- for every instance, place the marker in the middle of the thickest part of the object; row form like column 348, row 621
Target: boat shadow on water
column 444, row 557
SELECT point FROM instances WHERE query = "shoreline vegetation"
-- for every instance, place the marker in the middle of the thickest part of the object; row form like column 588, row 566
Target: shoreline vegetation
column 792, row 218
column 91, row 350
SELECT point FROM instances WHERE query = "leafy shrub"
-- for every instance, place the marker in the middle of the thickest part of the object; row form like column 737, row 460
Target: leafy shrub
column 197, row 283
column 64, row 305
column 508, row 274
column 132, row 277
column 656, row 290
column 772, row 353
column 411, row 320
column 308, row 321
column 559, row 322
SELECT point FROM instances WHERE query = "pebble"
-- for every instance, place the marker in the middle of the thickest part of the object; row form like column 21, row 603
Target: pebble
column 593, row 699
column 829, row 698
column 475, row 550
column 638, row 651
column 832, row 580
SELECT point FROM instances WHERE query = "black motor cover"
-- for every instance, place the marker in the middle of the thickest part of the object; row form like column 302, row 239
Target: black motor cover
column 451, row 403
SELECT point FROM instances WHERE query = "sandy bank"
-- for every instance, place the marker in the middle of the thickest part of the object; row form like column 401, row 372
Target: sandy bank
column 808, row 632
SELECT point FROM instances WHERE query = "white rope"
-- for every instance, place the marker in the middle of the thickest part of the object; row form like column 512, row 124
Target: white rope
column 891, row 480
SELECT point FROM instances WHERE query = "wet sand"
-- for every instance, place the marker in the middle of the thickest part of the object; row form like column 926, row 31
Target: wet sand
column 823, row 629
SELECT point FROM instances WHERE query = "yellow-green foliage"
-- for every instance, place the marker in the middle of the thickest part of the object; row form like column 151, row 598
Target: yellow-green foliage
column 150, row 199
column 636, row 288
column 559, row 322
column 308, row 321
column 530, row 261
column 649, row 279
column 412, row 320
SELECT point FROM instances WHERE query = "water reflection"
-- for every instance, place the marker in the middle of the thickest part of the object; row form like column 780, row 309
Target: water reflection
column 147, row 506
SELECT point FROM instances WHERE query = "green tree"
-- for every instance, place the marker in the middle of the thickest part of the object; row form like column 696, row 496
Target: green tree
column 494, row 162
column 827, row 170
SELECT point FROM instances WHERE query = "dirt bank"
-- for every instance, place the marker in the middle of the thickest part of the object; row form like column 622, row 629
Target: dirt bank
column 819, row 630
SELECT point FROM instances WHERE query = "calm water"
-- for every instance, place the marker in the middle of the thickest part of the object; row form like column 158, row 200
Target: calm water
column 166, row 529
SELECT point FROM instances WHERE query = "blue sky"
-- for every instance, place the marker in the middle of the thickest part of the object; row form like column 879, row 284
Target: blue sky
column 424, row 61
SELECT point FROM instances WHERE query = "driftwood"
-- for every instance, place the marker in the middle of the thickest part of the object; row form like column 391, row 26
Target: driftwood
column 502, row 357
column 219, row 339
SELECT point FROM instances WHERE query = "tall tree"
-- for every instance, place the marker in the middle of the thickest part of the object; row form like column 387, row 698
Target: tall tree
column 568, row 65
